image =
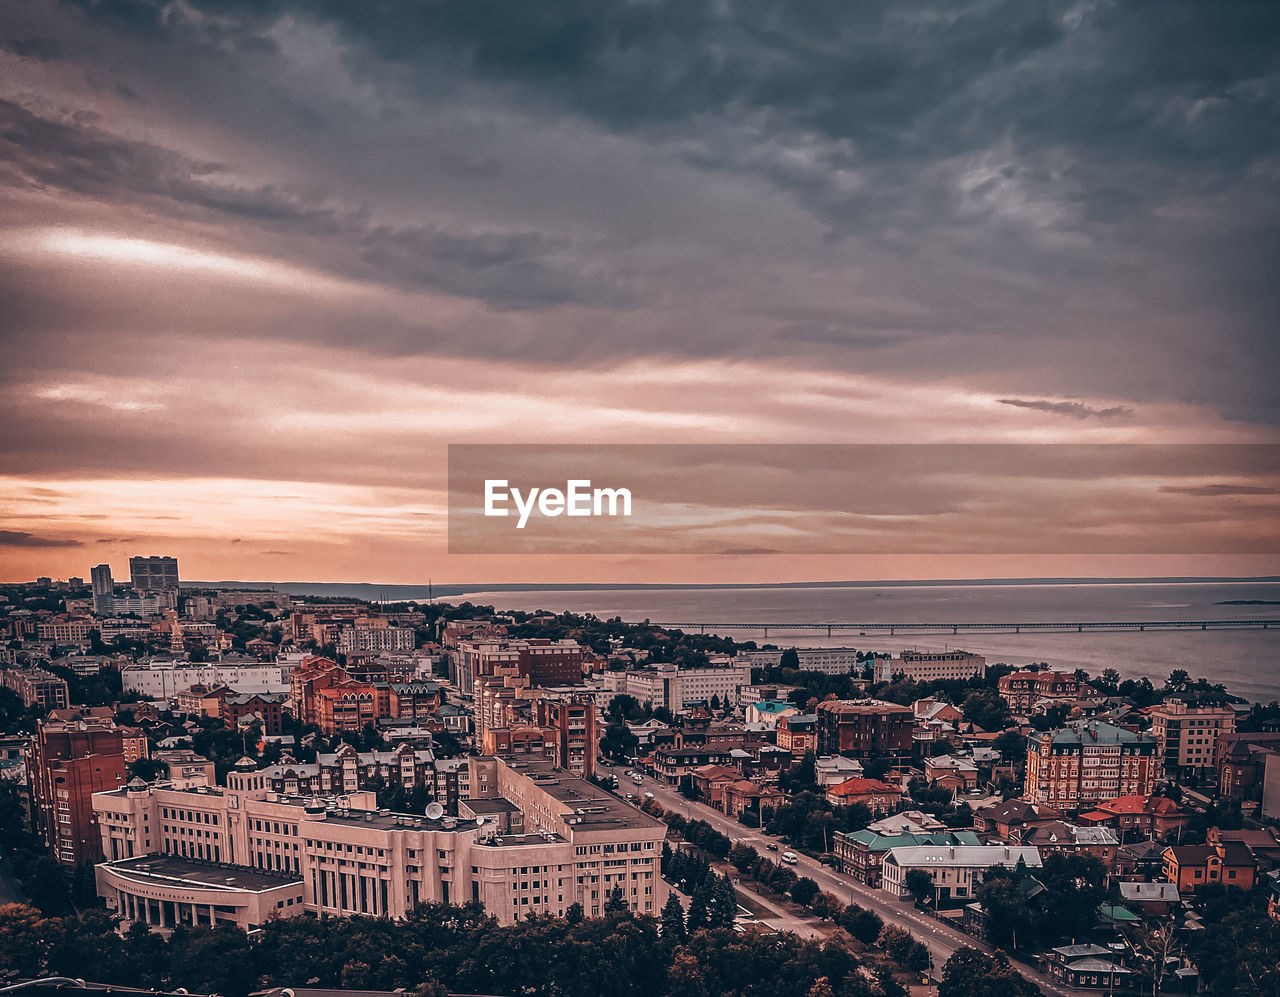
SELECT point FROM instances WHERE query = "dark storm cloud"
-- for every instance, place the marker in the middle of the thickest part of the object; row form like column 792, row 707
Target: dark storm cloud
column 1046, row 176
column 14, row 538
column 506, row 269
column 1075, row 410
column 1214, row 491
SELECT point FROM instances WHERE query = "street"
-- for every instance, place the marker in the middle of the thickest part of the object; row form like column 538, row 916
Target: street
column 940, row 939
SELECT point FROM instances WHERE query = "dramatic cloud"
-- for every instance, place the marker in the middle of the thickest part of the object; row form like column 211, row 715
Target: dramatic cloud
column 15, row 538
column 1076, row 410
column 273, row 243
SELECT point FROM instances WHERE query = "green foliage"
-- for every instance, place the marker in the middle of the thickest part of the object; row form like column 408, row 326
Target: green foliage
column 971, row 973
column 804, row 890
column 864, row 925
column 919, row 883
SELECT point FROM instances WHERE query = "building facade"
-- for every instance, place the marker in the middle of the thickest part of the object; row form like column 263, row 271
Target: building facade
column 1188, row 734
column 927, row 666
column 1088, row 762
column 67, row 763
column 270, row 854
column 864, row 728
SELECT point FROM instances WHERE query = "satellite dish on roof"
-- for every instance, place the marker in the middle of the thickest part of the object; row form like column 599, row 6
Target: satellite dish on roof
column 480, row 820
column 434, row 811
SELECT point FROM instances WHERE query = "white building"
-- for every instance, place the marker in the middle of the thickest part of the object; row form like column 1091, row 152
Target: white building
column 678, row 688
column 926, row 666
column 956, row 870
column 364, row 640
column 163, row 679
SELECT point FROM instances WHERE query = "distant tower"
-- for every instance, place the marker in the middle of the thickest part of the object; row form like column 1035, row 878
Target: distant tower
column 103, row 589
column 153, row 574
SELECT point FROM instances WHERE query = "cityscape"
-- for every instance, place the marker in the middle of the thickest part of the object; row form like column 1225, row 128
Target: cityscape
column 232, row 790
column 640, row 498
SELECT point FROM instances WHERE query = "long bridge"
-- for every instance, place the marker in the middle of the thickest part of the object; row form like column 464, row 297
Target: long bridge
column 1053, row 626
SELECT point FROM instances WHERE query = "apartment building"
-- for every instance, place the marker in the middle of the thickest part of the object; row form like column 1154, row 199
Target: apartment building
column 37, row 688
column 67, row 763
column 1022, row 691
column 544, row 662
column 372, row 640
column 931, row 666
column 153, row 574
column 680, row 688
column 164, row 678
column 864, row 728
column 269, row 707
column 103, row 587
column 1188, row 733
column 1088, row 762
column 798, row 734
column 242, row 853
column 66, row 631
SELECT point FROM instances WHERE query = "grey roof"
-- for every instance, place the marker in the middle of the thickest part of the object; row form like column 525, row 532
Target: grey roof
column 964, row 856
column 1167, row 892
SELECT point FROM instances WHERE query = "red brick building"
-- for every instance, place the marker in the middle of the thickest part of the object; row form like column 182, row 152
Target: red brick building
column 67, row 763
column 864, row 729
column 269, row 706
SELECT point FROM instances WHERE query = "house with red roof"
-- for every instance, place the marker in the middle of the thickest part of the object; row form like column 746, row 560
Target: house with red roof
column 1153, row 816
column 878, row 797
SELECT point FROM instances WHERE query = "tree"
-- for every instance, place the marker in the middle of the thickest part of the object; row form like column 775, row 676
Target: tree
column 1005, row 904
column 673, row 920
column 970, row 973
column 826, row 906
column 574, row 914
column 743, row 857
column 699, row 915
column 864, row 925
column 821, row 988
column 616, row 905
column 804, row 890
column 919, row 883
column 790, row 659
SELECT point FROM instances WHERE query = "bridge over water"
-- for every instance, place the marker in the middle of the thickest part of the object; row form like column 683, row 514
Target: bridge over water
column 1051, row 626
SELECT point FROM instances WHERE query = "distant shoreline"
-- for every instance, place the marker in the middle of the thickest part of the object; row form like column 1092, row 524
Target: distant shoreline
column 373, row 591
column 1248, row 602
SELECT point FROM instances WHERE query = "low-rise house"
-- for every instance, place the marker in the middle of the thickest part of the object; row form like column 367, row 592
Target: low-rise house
column 1139, row 860
column 1007, row 818
column 748, row 795
column 1086, row 967
column 831, row 770
column 1263, row 844
column 1072, row 839
column 798, row 733
column 1151, row 816
column 1190, row 867
column 769, row 712
column 710, row 780
column 1152, row 899
column 860, row 854
column 956, row 870
column 878, row 797
column 951, row 772
column 907, row 822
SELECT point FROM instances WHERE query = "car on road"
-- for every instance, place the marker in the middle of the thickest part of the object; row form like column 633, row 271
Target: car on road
column 648, row 796
column 772, row 846
column 790, row 858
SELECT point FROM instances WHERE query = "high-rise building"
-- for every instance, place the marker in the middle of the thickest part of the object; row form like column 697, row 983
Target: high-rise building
column 153, row 574
column 68, row 762
column 103, row 589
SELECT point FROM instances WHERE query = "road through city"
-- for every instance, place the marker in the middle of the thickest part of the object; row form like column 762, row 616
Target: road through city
column 941, row 939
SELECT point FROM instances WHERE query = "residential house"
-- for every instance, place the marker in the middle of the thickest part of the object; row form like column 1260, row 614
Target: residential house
column 1189, row 867
column 878, row 797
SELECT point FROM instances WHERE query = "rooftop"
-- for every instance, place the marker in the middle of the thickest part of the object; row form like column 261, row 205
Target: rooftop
column 206, row 875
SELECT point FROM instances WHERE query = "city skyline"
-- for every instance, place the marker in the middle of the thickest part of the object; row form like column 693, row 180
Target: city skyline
column 262, row 265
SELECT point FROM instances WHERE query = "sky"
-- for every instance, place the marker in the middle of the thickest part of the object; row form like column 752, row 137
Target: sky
column 262, row 262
